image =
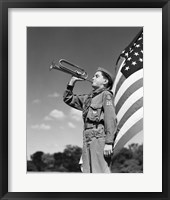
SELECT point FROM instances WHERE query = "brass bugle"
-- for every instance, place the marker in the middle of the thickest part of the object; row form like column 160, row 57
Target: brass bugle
column 79, row 72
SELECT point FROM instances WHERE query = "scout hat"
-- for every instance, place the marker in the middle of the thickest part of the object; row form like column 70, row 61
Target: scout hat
column 108, row 75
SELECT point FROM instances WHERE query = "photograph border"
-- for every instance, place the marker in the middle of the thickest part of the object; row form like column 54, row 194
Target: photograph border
column 4, row 5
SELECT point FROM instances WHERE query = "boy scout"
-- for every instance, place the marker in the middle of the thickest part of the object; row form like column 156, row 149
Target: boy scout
column 99, row 121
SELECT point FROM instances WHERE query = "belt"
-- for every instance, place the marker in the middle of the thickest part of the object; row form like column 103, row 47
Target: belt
column 93, row 133
column 90, row 125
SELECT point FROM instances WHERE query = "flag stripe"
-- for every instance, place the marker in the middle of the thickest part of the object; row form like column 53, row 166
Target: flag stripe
column 127, row 83
column 130, row 122
column 137, row 105
column 118, row 74
column 135, row 86
column 129, row 102
column 135, row 129
column 121, row 80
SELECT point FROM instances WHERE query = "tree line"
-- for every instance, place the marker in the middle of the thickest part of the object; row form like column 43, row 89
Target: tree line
column 128, row 160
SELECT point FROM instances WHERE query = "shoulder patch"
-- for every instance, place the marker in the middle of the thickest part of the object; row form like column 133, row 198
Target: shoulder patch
column 109, row 103
column 108, row 97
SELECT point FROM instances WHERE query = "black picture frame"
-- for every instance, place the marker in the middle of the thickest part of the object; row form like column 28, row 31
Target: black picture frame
column 4, row 5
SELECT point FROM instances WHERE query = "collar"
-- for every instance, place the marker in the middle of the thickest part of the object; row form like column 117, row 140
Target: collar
column 97, row 91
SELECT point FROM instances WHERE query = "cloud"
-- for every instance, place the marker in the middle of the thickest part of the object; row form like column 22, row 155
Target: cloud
column 54, row 95
column 71, row 125
column 47, row 118
column 76, row 114
column 36, row 101
column 41, row 127
column 55, row 114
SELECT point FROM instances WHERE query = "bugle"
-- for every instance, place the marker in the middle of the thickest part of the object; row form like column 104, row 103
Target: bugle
column 63, row 65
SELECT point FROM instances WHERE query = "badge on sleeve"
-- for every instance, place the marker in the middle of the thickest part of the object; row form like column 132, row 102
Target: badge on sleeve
column 109, row 100
column 109, row 103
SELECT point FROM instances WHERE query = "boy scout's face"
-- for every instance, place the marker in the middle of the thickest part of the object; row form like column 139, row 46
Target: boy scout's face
column 98, row 80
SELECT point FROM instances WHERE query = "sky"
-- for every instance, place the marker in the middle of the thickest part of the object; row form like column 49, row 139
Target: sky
column 51, row 124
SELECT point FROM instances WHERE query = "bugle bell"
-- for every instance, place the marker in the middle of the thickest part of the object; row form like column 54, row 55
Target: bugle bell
column 63, row 65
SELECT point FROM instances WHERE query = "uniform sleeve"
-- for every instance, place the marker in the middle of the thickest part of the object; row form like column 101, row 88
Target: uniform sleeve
column 73, row 100
column 109, row 117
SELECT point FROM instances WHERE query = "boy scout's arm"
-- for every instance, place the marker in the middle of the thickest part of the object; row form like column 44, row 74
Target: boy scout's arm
column 75, row 101
column 109, row 122
column 109, row 118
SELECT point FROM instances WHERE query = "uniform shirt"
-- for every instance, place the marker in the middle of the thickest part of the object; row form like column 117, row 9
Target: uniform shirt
column 97, row 108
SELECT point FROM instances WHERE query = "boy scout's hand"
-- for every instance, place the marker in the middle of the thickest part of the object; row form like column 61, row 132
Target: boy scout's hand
column 108, row 150
column 74, row 79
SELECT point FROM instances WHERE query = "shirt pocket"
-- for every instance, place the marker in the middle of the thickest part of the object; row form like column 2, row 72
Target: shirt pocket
column 94, row 112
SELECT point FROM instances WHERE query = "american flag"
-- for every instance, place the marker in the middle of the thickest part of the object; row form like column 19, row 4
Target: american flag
column 128, row 91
